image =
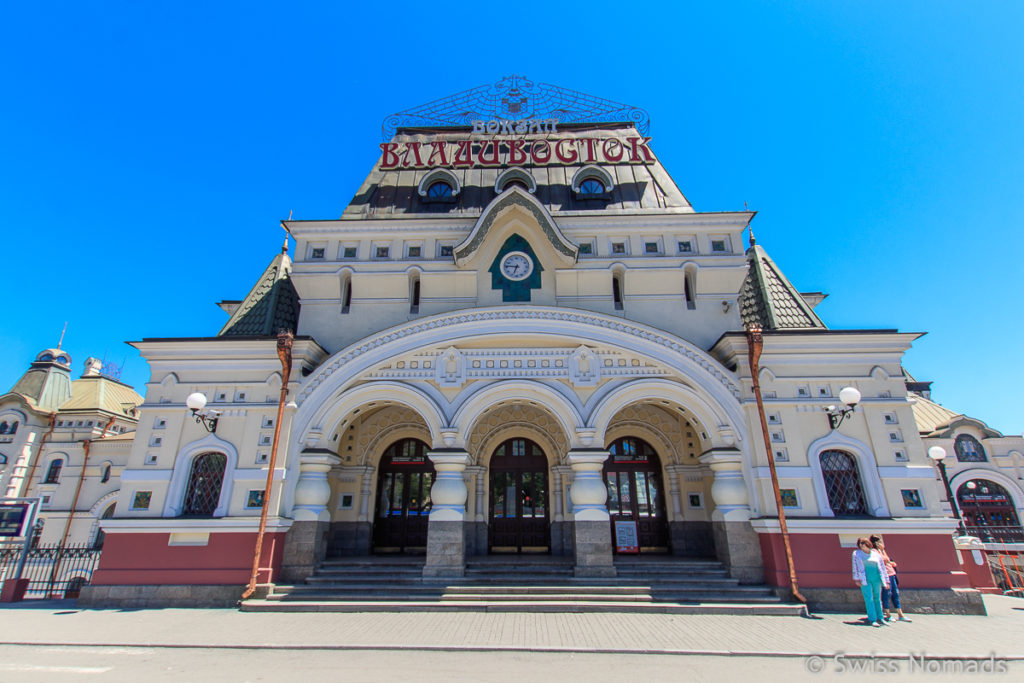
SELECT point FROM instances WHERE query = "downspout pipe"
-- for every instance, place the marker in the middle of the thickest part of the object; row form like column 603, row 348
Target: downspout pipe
column 86, row 445
column 755, row 344
column 284, row 353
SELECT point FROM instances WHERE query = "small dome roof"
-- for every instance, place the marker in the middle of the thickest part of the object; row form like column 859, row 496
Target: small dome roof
column 58, row 356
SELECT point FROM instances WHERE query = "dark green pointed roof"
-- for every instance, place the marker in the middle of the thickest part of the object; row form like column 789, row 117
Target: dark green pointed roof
column 46, row 385
column 272, row 304
column 768, row 299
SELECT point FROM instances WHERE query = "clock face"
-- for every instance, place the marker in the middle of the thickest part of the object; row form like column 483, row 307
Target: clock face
column 516, row 266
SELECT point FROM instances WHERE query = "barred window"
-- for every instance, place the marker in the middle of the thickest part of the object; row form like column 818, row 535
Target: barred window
column 204, row 484
column 968, row 449
column 842, row 484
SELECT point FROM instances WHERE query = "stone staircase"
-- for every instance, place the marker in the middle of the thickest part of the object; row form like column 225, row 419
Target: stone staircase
column 522, row 584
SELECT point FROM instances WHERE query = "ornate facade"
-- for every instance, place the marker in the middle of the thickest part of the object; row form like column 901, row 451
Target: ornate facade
column 546, row 356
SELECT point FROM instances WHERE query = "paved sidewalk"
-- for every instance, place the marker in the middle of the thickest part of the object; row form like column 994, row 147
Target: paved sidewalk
column 61, row 623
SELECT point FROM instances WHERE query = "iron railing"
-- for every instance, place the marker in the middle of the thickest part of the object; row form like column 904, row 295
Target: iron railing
column 53, row 571
column 997, row 534
column 1008, row 570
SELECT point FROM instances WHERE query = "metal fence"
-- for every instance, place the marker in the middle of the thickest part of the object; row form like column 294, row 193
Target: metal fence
column 997, row 534
column 52, row 571
column 1008, row 570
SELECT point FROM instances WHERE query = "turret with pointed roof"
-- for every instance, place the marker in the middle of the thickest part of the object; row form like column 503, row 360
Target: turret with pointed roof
column 271, row 305
column 46, row 385
column 768, row 299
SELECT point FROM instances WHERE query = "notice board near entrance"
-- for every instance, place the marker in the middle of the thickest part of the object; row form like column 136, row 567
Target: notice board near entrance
column 626, row 539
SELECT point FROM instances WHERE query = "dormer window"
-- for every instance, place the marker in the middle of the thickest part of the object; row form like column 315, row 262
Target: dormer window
column 592, row 182
column 440, row 186
column 439, row 190
column 514, row 177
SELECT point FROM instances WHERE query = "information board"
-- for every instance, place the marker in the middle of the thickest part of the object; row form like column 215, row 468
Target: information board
column 626, row 540
column 12, row 518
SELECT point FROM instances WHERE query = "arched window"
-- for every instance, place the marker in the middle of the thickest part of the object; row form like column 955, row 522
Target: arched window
column 689, row 285
column 989, row 512
column 842, row 484
column 204, row 483
column 439, row 190
column 591, row 187
column 968, row 449
column 514, row 177
column 53, row 474
column 617, row 291
column 414, row 293
column 105, row 473
column 346, row 294
column 4, row 427
column 101, row 536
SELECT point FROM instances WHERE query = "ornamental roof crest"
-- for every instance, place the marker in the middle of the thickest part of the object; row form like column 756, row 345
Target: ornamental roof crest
column 516, row 98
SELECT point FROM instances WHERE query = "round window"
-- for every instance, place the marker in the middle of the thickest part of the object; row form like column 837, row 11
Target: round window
column 591, row 186
column 440, row 189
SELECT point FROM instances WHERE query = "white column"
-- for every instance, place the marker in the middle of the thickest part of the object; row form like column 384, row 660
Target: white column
column 728, row 490
column 478, row 500
column 588, row 493
column 675, row 490
column 312, row 490
column 449, row 493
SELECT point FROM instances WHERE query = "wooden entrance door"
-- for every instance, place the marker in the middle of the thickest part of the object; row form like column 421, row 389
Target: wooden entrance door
column 403, row 498
column 519, row 499
column 635, row 493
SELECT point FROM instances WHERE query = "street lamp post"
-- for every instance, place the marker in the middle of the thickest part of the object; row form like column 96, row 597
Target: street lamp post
column 938, row 454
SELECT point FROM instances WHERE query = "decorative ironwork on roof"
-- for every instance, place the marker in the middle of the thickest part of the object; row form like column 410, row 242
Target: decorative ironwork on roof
column 515, row 98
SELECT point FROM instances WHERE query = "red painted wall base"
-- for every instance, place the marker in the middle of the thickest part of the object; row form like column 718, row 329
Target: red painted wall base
column 923, row 561
column 13, row 590
column 147, row 559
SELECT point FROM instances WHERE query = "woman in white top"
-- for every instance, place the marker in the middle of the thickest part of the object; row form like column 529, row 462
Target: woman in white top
column 869, row 573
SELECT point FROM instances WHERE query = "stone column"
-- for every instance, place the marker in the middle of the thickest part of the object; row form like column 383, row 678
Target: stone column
column 306, row 541
column 476, row 531
column 736, row 543
column 446, row 541
column 591, row 521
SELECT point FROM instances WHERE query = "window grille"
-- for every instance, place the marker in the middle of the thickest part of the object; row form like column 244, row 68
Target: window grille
column 968, row 449
column 204, row 484
column 842, row 484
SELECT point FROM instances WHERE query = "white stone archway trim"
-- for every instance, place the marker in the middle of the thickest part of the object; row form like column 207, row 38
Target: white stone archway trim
column 96, row 510
column 211, row 443
column 866, row 466
column 557, row 400
column 325, row 388
column 1011, row 486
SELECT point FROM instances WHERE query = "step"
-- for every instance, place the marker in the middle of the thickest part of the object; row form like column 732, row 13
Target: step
column 736, row 608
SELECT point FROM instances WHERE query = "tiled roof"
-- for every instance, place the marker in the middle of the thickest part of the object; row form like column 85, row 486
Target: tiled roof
column 271, row 306
column 636, row 186
column 102, row 393
column 930, row 416
column 768, row 299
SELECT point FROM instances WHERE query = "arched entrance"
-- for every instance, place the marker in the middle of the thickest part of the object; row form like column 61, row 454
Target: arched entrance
column 403, row 498
column 518, row 520
column 632, row 474
column 988, row 512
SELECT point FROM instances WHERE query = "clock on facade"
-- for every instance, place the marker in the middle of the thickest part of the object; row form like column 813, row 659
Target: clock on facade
column 516, row 265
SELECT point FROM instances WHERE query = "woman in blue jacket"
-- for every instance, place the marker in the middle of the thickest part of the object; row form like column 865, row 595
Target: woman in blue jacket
column 869, row 573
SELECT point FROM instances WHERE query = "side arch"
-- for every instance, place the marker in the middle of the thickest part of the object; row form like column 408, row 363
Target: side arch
column 1011, row 486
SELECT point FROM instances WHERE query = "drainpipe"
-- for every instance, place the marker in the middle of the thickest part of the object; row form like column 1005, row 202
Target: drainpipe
column 284, row 353
column 755, row 343
column 81, row 478
column 26, row 484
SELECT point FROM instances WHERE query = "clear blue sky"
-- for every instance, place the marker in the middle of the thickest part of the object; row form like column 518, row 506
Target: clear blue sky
column 150, row 149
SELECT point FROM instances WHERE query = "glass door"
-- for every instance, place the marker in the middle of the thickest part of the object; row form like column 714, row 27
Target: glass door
column 635, row 494
column 403, row 498
column 519, row 499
